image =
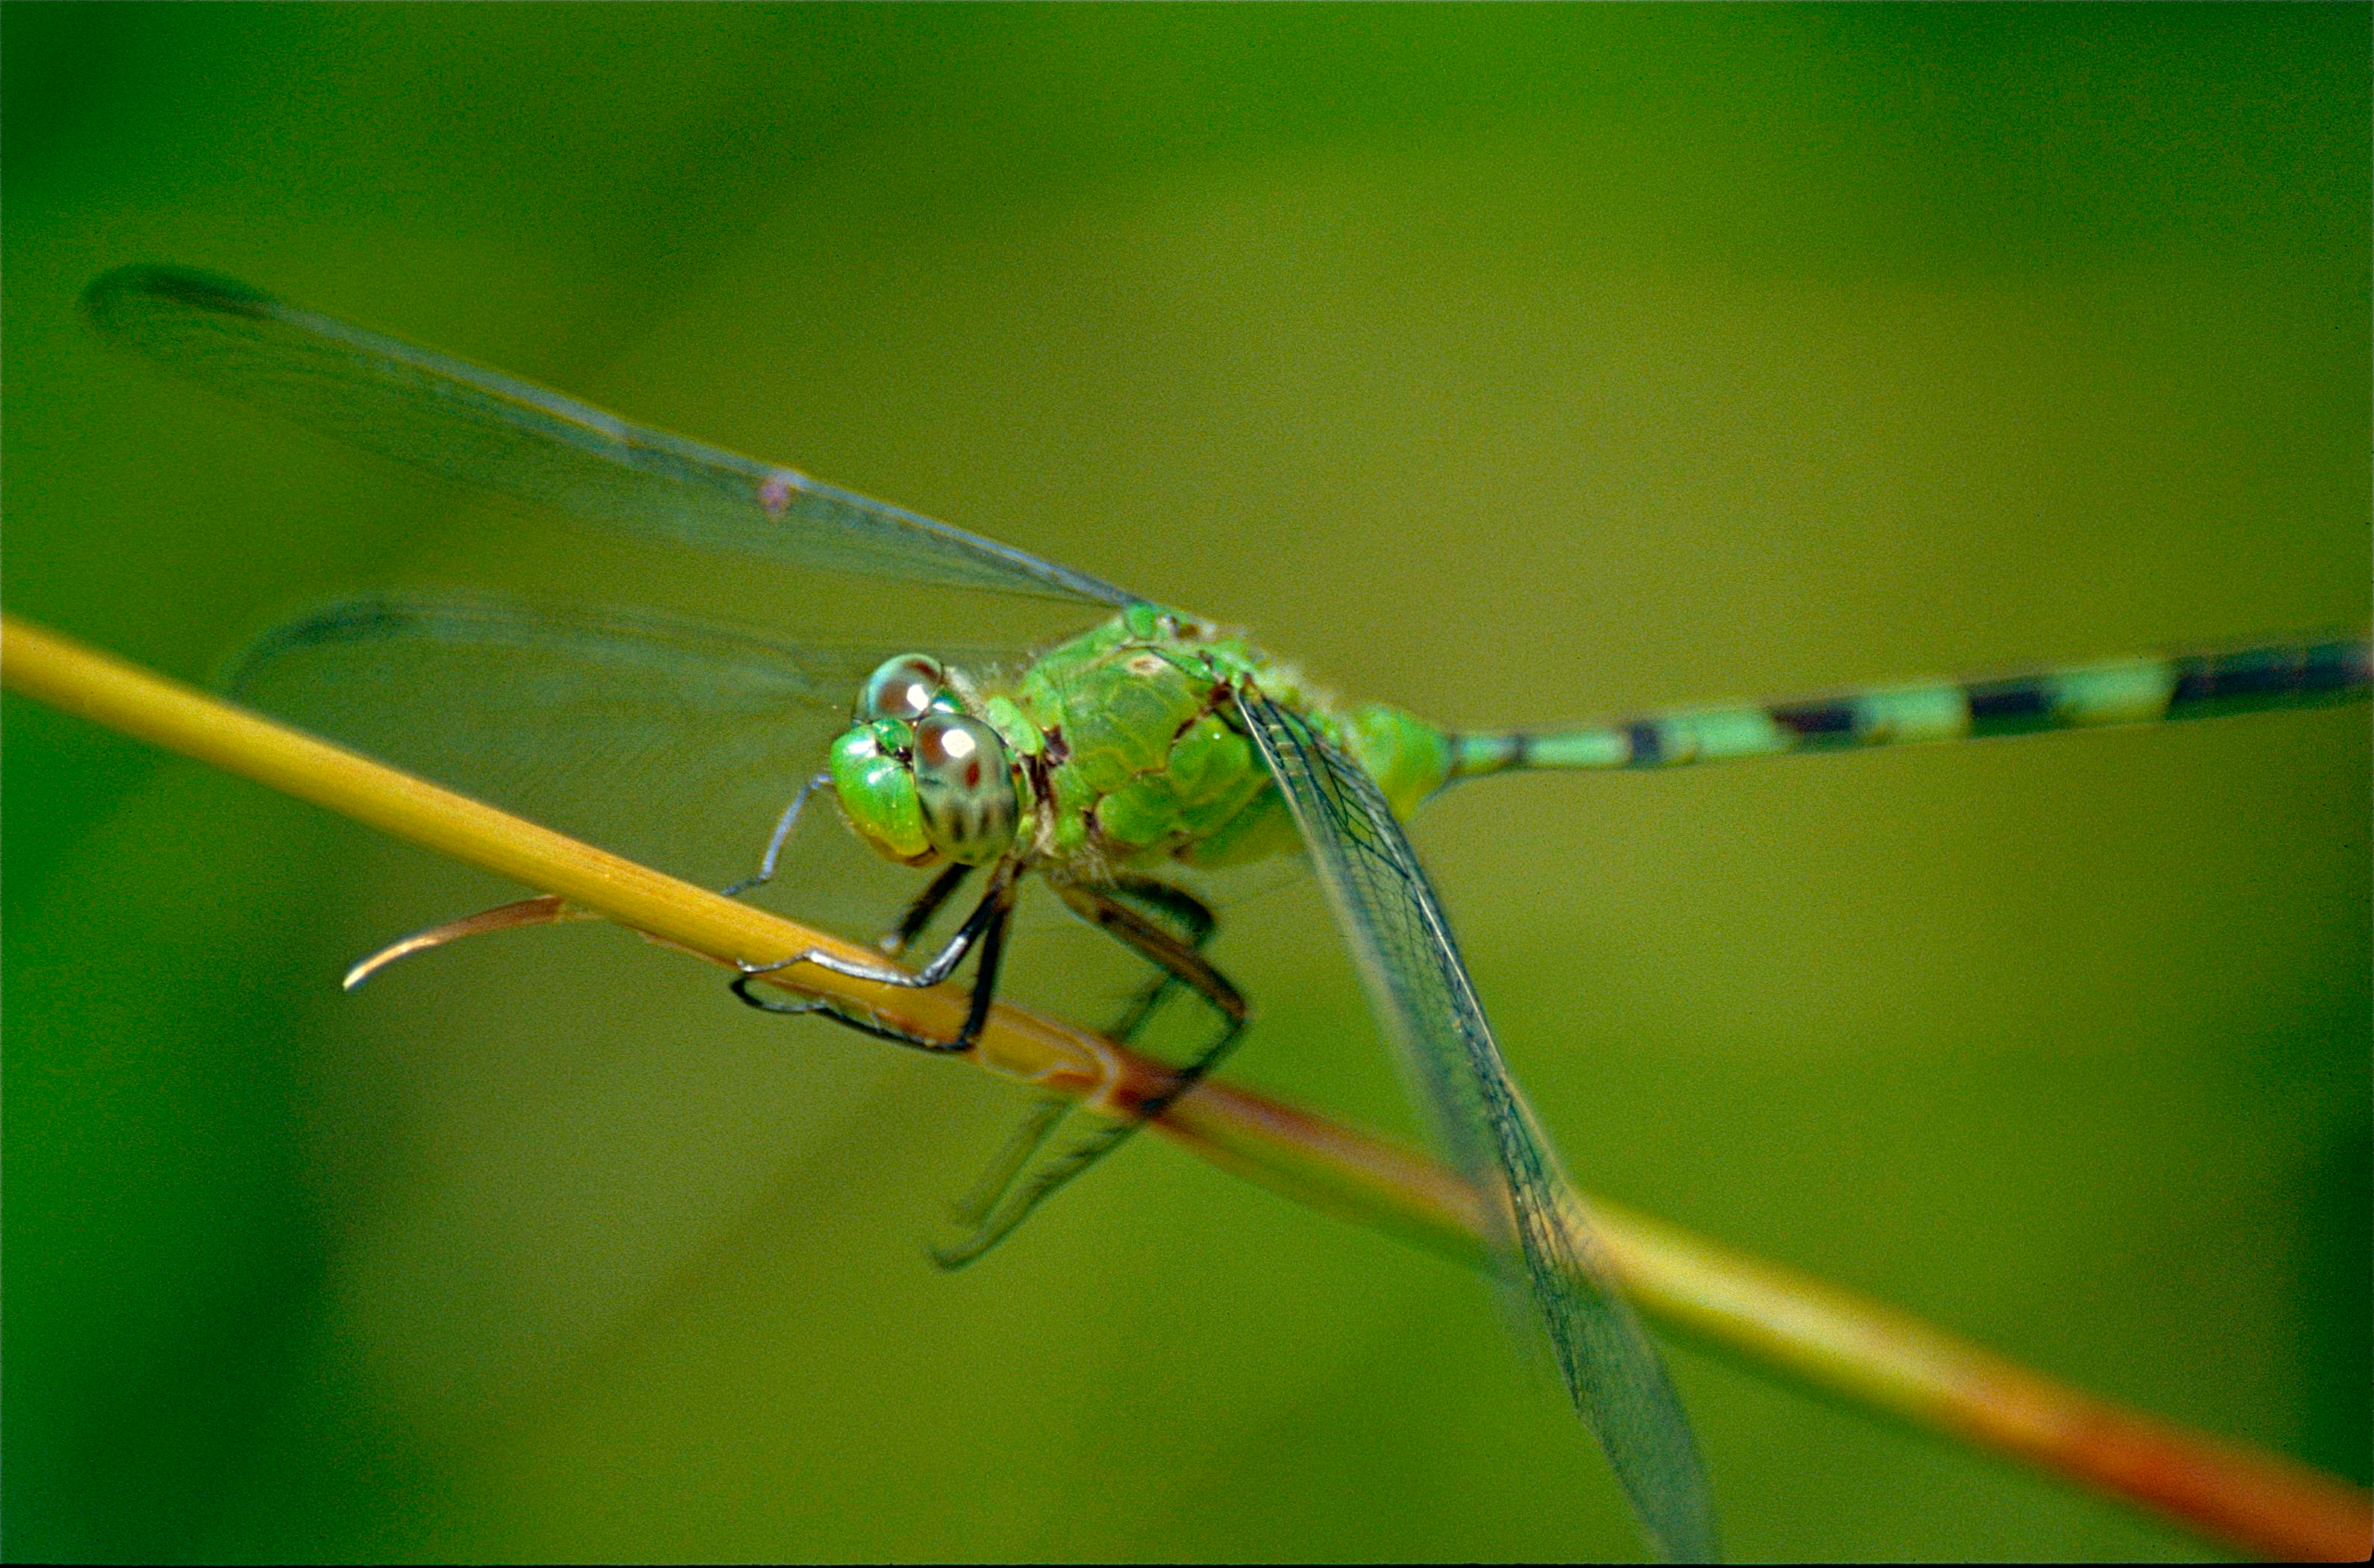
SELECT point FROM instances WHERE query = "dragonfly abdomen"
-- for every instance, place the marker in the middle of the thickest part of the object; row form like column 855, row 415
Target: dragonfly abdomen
column 2126, row 691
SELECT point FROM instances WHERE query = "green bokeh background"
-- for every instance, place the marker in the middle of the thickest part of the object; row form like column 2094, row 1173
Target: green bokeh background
column 1513, row 364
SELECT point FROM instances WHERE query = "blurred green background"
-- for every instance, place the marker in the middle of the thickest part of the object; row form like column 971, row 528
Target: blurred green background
column 1511, row 363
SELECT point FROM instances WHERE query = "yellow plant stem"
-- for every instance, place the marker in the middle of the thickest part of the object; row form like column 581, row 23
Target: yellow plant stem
column 1816, row 1333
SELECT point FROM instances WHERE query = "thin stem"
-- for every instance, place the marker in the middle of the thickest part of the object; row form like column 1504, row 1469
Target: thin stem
column 1801, row 1328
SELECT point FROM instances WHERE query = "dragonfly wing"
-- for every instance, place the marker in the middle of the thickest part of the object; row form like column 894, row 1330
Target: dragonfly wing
column 674, row 743
column 1420, row 987
column 483, row 427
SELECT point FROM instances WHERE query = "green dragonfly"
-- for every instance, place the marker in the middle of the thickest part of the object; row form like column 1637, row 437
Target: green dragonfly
column 1150, row 745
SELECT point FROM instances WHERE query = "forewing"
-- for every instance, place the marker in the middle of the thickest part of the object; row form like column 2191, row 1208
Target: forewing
column 483, row 427
column 1420, row 988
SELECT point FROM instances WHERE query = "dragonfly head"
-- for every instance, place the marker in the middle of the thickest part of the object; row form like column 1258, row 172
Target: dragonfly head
column 921, row 779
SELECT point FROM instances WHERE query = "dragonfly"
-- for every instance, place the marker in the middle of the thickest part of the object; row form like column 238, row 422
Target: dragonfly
column 1151, row 745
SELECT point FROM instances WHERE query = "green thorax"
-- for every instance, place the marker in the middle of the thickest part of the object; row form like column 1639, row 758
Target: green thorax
column 1132, row 749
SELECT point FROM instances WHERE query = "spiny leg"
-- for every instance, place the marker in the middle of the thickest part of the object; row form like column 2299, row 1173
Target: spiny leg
column 918, row 913
column 1197, row 921
column 986, row 927
column 1002, row 1206
column 1179, row 956
column 1021, row 1145
column 783, row 824
column 892, row 942
column 1028, row 1137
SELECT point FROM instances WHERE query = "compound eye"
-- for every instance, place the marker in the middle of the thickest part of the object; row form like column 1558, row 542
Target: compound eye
column 964, row 787
column 904, row 687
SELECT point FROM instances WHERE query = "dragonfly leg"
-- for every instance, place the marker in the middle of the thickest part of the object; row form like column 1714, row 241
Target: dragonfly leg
column 984, row 927
column 831, row 1012
column 1196, row 917
column 1108, row 907
column 994, row 1183
column 997, row 1205
column 918, row 913
column 766, row 871
column 1197, row 921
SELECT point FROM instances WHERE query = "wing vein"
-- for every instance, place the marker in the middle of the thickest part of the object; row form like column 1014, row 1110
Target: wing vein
column 1424, row 996
column 481, row 426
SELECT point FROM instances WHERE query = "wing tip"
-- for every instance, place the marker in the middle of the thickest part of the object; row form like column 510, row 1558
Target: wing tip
column 356, row 618
column 115, row 301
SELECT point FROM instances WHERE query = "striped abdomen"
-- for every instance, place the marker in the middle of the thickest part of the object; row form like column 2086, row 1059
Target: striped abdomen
column 2126, row 691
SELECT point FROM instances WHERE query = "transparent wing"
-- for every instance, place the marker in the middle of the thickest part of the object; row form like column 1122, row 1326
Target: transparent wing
column 484, row 428
column 674, row 742
column 1420, row 988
